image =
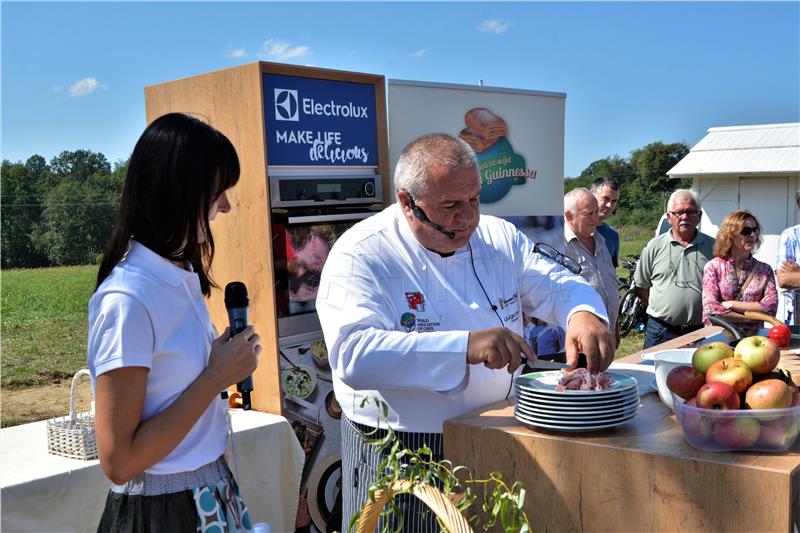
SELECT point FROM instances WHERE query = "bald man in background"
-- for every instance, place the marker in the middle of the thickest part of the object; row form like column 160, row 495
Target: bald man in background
column 584, row 244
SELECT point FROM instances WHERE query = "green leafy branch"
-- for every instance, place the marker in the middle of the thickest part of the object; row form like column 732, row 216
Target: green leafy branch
column 404, row 471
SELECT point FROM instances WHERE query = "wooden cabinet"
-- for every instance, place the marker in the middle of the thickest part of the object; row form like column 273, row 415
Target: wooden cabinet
column 233, row 101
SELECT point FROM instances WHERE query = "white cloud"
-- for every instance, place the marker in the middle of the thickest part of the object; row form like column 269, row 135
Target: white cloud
column 236, row 53
column 274, row 49
column 86, row 86
column 419, row 54
column 494, row 25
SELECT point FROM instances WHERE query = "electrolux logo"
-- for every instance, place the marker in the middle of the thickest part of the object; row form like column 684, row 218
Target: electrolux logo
column 286, row 107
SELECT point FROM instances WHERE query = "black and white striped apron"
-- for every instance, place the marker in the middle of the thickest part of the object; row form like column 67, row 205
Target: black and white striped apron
column 359, row 468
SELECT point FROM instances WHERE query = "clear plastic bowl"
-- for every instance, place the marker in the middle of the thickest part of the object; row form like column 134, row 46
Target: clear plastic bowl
column 664, row 361
column 712, row 430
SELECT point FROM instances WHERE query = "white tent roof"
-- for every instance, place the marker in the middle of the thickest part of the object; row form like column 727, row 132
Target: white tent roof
column 768, row 148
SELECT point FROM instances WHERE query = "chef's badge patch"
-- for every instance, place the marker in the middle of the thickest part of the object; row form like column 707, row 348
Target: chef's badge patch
column 416, row 301
column 408, row 321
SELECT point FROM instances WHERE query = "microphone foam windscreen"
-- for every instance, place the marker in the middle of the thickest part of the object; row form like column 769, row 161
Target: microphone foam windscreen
column 236, row 295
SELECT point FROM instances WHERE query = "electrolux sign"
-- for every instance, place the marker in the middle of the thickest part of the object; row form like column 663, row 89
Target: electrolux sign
column 313, row 122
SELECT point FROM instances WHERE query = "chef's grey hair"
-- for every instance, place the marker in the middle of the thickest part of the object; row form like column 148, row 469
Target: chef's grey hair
column 683, row 193
column 443, row 149
column 572, row 197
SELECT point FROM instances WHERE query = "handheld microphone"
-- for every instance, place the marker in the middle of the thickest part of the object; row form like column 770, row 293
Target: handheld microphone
column 236, row 302
column 422, row 217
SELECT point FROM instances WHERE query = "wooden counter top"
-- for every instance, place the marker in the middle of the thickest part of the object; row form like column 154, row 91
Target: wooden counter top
column 642, row 476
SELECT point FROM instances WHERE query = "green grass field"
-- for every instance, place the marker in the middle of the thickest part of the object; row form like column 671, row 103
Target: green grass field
column 43, row 329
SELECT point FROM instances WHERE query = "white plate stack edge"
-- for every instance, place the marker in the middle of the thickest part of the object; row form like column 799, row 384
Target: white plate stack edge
column 538, row 403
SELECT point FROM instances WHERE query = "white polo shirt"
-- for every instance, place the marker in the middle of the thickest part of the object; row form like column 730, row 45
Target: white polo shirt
column 396, row 316
column 150, row 313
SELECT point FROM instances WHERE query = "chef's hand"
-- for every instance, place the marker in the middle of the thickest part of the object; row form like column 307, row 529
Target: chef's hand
column 588, row 334
column 497, row 348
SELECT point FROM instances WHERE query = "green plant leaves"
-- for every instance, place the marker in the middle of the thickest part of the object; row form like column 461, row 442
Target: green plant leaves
column 412, row 467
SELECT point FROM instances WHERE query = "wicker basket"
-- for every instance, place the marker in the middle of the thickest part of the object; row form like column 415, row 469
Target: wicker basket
column 451, row 517
column 73, row 436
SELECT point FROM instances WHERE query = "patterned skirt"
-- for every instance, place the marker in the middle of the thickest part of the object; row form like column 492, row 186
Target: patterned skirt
column 205, row 500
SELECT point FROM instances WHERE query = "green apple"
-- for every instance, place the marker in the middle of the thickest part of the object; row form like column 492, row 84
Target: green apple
column 708, row 354
column 760, row 353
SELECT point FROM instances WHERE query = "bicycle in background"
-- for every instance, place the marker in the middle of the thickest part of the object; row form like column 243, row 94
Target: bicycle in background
column 632, row 314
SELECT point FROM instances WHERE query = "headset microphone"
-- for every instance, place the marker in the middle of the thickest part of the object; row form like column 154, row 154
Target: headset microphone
column 422, row 217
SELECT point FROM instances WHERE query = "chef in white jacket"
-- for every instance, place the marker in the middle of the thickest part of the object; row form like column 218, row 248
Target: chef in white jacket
column 421, row 308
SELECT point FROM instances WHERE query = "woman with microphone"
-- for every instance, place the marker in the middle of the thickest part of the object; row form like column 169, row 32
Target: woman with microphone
column 156, row 368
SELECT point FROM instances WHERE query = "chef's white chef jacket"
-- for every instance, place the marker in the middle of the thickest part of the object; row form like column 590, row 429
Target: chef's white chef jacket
column 396, row 317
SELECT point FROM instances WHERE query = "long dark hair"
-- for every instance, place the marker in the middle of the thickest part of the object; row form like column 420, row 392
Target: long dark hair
column 179, row 167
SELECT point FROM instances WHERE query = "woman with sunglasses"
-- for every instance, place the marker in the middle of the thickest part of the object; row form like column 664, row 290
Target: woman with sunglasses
column 734, row 281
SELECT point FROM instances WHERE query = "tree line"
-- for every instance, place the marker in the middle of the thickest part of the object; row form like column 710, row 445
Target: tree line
column 644, row 184
column 61, row 213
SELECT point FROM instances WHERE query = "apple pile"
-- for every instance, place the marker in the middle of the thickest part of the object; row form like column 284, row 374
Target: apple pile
column 726, row 379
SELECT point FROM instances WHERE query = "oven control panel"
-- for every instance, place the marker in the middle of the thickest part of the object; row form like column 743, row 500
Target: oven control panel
column 313, row 190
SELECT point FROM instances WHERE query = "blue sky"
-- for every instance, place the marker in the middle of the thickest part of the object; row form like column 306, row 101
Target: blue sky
column 73, row 74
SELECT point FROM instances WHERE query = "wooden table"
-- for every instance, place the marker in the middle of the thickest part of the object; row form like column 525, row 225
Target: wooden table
column 642, row 476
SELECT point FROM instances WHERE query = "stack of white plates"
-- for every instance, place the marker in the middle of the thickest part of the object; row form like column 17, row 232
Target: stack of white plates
column 539, row 404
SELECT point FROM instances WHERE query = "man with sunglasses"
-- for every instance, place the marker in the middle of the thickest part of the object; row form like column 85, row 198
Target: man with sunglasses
column 422, row 308
column 669, row 275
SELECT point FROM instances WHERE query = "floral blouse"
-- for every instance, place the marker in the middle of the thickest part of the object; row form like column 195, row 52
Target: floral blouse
column 720, row 283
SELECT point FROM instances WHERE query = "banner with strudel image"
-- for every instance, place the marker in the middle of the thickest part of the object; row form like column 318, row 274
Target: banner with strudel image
column 517, row 135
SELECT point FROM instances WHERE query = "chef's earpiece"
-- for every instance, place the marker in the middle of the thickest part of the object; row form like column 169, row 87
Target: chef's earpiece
column 422, row 217
column 418, row 212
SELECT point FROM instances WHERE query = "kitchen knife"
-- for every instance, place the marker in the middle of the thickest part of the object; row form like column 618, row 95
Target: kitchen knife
column 553, row 361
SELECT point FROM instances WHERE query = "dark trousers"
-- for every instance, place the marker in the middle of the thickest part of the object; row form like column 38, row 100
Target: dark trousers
column 658, row 331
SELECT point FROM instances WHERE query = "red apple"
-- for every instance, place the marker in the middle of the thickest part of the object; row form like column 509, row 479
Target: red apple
column 696, row 426
column 685, row 381
column 717, row 395
column 781, row 334
column 768, row 394
column 732, row 371
column 760, row 353
column 740, row 432
column 708, row 354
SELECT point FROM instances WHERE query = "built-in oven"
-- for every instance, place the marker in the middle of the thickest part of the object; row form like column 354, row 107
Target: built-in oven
column 309, row 212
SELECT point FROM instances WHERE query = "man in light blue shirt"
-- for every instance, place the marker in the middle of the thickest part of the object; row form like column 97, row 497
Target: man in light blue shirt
column 788, row 271
column 606, row 192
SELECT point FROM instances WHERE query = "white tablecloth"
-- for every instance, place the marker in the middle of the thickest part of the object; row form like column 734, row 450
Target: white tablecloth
column 42, row 492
